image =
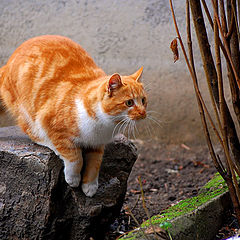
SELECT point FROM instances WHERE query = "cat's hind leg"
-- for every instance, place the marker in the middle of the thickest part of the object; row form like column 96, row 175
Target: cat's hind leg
column 93, row 160
column 27, row 128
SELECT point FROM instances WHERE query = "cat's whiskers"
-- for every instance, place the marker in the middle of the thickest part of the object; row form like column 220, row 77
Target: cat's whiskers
column 133, row 126
column 132, row 130
column 151, row 117
column 151, row 120
column 122, row 125
column 154, row 120
column 136, row 129
column 126, row 125
column 149, row 129
column 153, row 112
column 118, row 124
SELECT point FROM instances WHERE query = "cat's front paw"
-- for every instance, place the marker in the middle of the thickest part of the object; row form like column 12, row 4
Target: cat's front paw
column 73, row 180
column 90, row 189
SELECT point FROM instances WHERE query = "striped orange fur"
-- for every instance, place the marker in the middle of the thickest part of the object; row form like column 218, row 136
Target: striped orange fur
column 64, row 101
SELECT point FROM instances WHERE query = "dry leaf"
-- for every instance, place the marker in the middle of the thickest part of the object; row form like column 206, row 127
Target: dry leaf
column 157, row 229
column 180, row 167
column 153, row 190
column 135, row 191
column 185, row 147
column 174, row 47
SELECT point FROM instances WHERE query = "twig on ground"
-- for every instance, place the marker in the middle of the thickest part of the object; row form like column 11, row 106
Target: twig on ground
column 136, row 221
column 145, row 208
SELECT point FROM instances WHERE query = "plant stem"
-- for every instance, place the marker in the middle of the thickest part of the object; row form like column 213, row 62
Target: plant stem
column 217, row 164
column 145, row 208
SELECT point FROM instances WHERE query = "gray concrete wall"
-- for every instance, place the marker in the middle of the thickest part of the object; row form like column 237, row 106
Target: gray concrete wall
column 121, row 36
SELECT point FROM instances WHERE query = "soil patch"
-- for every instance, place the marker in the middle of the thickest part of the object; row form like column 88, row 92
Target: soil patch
column 169, row 173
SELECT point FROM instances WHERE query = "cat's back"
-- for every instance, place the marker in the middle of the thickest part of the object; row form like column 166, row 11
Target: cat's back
column 49, row 59
column 52, row 51
column 43, row 68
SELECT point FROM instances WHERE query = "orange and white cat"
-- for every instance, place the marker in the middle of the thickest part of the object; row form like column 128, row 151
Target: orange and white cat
column 64, row 101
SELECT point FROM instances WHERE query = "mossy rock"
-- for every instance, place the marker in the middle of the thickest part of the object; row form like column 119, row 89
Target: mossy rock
column 194, row 218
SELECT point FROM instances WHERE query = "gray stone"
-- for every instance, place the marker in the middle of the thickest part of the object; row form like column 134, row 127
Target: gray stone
column 204, row 222
column 35, row 201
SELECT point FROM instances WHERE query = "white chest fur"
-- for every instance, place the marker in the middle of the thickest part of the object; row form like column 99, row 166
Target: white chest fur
column 94, row 132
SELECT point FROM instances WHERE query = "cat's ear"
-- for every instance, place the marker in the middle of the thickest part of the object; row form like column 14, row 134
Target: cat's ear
column 137, row 75
column 114, row 83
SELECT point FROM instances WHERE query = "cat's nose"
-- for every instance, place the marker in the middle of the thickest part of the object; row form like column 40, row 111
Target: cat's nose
column 142, row 114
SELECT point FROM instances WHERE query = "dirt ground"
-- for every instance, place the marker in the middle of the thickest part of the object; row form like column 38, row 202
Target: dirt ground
column 169, row 173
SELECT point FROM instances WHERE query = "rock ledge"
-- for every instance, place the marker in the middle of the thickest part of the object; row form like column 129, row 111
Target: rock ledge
column 35, row 201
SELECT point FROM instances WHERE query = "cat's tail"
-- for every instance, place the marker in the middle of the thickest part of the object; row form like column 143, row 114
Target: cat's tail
column 2, row 70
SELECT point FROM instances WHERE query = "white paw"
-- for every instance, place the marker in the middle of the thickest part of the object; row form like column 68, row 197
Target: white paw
column 72, row 176
column 73, row 180
column 90, row 188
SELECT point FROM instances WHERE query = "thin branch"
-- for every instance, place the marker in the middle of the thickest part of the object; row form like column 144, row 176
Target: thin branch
column 230, row 31
column 225, row 44
column 136, row 221
column 217, row 162
column 224, row 108
column 145, row 208
column 207, row 13
column 223, row 17
column 232, row 134
column 233, row 3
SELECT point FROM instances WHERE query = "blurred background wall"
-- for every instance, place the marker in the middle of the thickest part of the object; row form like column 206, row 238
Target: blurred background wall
column 121, row 36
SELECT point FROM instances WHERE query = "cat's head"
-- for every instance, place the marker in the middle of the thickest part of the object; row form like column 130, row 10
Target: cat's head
column 125, row 97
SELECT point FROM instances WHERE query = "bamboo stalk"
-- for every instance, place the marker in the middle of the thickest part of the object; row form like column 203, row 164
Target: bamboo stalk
column 207, row 12
column 233, row 189
column 234, row 49
column 217, row 164
column 238, row 12
column 223, row 17
column 233, row 195
column 205, row 50
column 223, row 125
column 233, row 4
column 230, row 165
column 233, row 45
column 232, row 134
column 193, row 77
column 207, row 58
column 226, row 45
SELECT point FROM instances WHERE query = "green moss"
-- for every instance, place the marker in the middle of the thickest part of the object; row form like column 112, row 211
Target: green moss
column 132, row 235
column 216, row 182
column 212, row 189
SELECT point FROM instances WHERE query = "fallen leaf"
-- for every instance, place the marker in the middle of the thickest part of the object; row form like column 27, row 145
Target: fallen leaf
column 180, row 167
column 156, row 229
column 199, row 163
column 135, row 191
column 185, row 146
column 174, row 47
column 153, row 190
column 168, row 170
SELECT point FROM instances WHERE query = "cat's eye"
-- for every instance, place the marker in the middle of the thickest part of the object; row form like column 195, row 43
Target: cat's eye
column 129, row 102
column 143, row 101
